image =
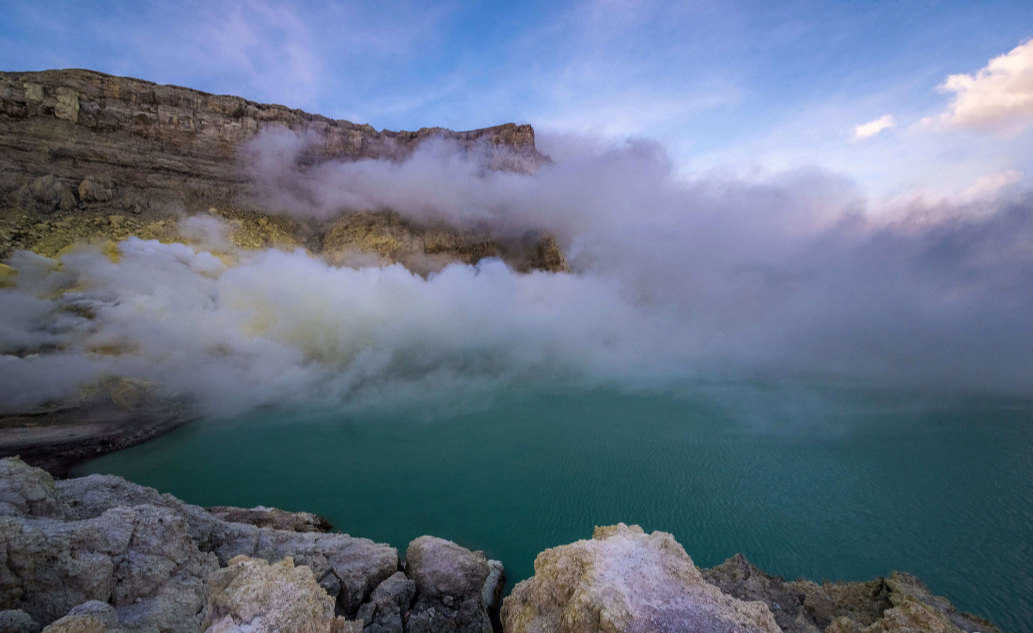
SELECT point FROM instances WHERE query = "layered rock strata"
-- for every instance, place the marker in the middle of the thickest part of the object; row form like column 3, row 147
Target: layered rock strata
column 86, row 156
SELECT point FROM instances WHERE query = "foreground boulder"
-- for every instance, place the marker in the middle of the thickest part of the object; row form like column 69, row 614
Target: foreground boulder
column 624, row 580
column 455, row 587
column 254, row 596
column 140, row 560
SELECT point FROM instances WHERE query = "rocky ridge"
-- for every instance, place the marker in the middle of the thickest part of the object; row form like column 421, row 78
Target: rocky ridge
column 99, row 554
column 89, row 157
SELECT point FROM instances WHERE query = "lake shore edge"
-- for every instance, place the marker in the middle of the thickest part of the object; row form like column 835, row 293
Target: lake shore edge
column 103, row 551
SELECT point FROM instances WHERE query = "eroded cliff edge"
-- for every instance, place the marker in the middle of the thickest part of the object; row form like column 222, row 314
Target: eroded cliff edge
column 101, row 554
column 86, row 156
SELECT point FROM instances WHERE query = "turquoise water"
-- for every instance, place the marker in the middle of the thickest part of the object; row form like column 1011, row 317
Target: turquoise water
column 819, row 482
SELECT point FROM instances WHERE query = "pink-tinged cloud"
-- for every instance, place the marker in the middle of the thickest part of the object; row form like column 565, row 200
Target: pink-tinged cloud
column 997, row 98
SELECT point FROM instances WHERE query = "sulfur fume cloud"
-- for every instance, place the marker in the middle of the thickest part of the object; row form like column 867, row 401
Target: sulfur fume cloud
column 673, row 280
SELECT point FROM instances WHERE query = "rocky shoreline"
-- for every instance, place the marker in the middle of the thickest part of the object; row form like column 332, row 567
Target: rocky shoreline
column 101, row 554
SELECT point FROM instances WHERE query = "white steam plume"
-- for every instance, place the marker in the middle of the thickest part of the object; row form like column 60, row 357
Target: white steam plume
column 672, row 280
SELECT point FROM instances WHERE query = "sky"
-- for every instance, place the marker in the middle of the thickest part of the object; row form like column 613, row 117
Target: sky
column 904, row 98
column 802, row 189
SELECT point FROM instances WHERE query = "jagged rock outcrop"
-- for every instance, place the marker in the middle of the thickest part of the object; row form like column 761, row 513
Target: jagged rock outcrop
column 90, row 157
column 899, row 603
column 454, row 588
column 626, row 581
column 387, row 607
column 139, row 559
column 157, row 562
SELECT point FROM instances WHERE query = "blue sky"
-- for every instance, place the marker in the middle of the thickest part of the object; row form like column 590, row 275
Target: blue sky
column 745, row 88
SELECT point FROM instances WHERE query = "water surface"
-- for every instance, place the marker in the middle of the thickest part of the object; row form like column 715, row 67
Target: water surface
column 819, row 482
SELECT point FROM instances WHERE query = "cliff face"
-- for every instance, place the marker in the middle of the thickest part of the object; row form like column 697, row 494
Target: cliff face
column 88, row 156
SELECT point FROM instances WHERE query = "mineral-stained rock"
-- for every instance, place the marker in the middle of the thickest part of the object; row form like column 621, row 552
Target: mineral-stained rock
column 255, row 596
column 541, row 252
column 624, row 580
column 347, row 568
column 96, row 189
column 47, row 193
column 392, row 238
column 387, row 607
column 450, row 585
column 897, row 604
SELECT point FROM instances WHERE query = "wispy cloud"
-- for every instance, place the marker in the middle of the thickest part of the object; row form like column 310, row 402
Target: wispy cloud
column 871, row 128
column 997, row 98
column 264, row 49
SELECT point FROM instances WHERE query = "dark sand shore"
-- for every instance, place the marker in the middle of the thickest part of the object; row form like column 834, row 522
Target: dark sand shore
column 58, row 439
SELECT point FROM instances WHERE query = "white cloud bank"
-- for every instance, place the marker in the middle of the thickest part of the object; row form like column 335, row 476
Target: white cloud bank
column 997, row 98
column 871, row 128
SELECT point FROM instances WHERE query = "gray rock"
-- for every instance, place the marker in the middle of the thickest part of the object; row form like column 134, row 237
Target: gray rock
column 737, row 577
column 17, row 621
column 141, row 560
column 450, row 585
column 387, row 607
column 66, row 517
column 26, row 491
column 348, row 568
